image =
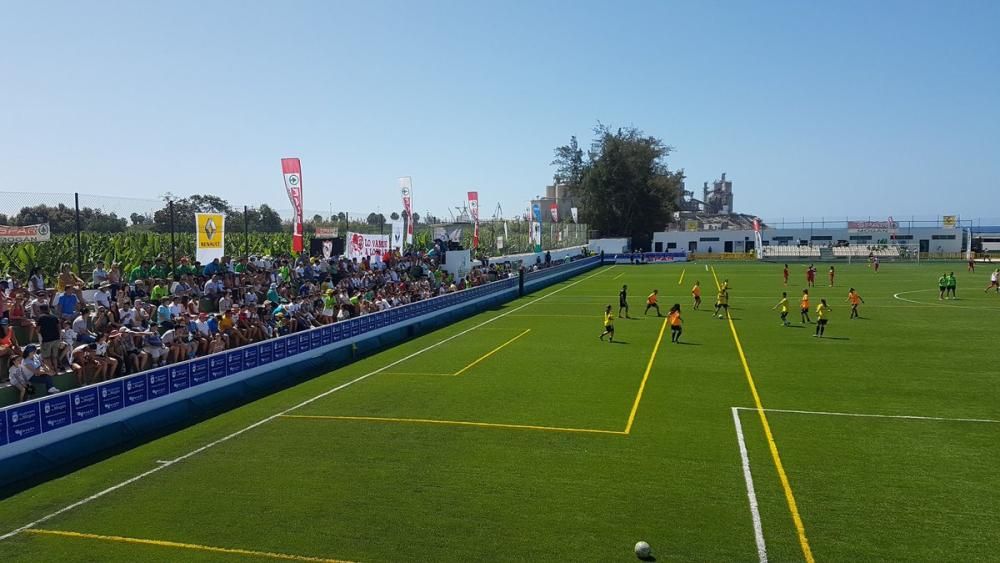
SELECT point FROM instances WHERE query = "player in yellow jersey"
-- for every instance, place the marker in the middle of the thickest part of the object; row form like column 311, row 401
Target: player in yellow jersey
column 804, row 306
column 722, row 303
column 609, row 325
column 784, row 308
column 674, row 318
column 822, row 311
column 651, row 303
column 696, row 293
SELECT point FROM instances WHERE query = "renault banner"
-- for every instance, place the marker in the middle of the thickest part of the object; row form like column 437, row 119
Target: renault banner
column 211, row 236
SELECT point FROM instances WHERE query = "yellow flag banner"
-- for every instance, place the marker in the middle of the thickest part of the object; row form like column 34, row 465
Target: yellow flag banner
column 211, row 236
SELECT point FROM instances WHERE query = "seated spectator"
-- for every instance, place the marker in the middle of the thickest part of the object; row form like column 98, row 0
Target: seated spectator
column 28, row 367
column 67, row 304
column 100, row 275
column 81, row 324
column 153, row 346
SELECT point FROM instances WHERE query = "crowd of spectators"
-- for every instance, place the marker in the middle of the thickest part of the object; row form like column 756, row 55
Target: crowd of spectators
column 125, row 320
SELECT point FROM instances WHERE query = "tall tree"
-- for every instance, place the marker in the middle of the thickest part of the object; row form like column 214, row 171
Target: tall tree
column 569, row 164
column 394, row 216
column 625, row 187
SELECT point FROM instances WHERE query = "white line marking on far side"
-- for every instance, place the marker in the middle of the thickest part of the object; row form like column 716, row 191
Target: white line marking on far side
column 758, row 529
column 166, row 464
column 864, row 415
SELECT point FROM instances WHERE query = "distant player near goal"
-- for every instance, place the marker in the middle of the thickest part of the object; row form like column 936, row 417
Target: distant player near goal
column 651, row 303
column 784, row 274
column 609, row 325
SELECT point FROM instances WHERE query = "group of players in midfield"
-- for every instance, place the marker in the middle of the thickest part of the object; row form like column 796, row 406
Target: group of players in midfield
column 722, row 306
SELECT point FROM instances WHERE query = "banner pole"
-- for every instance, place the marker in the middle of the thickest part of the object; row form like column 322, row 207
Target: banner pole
column 173, row 247
column 79, row 251
column 246, row 233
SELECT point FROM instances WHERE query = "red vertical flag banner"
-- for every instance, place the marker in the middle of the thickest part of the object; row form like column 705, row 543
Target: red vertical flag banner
column 406, row 190
column 554, row 209
column 474, row 212
column 291, row 169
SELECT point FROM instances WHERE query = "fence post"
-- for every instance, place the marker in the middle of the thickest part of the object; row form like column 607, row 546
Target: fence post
column 173, row 247
column 79, row 251
column 246, row 233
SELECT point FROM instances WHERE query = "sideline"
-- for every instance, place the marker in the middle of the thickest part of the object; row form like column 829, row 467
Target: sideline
column 758, row 530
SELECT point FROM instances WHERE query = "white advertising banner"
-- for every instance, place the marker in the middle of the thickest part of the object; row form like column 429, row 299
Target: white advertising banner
column 360, row 245
column 398, row 233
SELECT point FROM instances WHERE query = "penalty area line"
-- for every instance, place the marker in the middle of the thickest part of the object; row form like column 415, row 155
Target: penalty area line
column 187, row 546
column 866, row 415
column 454, row 423
column 226, row 438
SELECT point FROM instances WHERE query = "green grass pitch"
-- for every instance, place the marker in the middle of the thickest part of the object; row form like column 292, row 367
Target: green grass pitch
column 507, row 437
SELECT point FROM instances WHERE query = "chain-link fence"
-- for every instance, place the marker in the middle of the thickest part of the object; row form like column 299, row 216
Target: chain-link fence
column 84, row 229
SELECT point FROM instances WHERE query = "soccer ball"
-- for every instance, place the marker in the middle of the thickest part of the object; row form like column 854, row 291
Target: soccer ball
column 642, row 550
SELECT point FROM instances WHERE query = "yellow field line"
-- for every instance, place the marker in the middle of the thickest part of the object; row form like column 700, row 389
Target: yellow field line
column 645, row 376
column 680, row 281
column 456, row 423
column 177, row 545
column 789, row 496
column 491, row 352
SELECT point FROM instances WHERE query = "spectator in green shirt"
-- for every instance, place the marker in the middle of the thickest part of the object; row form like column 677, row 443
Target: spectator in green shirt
column 159, row 291
column 141, row 272
column 185, row 268
column 159, row 269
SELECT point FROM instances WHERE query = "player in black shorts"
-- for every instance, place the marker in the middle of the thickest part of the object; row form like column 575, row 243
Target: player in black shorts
column 623, row 302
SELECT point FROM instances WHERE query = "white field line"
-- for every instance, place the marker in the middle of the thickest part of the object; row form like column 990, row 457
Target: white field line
column 163, row 464
column 758, row 530
column 865, row 415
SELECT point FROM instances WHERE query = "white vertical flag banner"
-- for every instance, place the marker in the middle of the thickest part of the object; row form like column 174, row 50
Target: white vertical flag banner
column 406, row 190
column 474, row 212
column 573, row 212
column 398, row 233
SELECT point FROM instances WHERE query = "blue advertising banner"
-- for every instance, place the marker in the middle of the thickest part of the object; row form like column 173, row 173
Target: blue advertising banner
column 265, row 352
column 315, row 338
column 23, row 422
column 135, row 389
column 305, row 338
column 326, row 335
column 85, row 404
column 279, row 349
column 55, row 412
column 234, row 362
column 291, row 345
column 217, row 366
column 157, row 383
column 199, row 372
column 112, row 395
column 3, row 428
column 250, row 354
column 355, row 325
column 337, row 331
column 180, row 377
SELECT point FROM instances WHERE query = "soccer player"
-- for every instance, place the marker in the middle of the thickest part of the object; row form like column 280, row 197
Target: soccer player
column 952, row 285
column 784, row 308
column 674, row 318
column 696, row 293
column 804, row 306
column 623, row 302
column 609, row 324
column 972, row 264
column 994, row 281
column 942, row 286
column 784, row 274
column 651, row 303
column 830, row 273
column 821, row 312
column 875, row 263
column 811, row 276
column 722, row 302
column 855, row 300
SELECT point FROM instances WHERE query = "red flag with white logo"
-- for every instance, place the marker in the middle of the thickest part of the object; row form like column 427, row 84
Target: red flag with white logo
column 291, row 169
column 474, row 213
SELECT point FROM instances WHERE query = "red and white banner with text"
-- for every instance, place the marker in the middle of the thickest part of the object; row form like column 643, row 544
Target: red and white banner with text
column 291, row 169
column 554, row 210
column 474, row 212
column 406, row 189
column 363, row 246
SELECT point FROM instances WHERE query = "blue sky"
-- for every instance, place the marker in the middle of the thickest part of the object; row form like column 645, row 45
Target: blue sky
column 813, row 109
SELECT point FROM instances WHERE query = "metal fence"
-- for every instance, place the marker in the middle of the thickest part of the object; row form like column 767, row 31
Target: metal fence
column 88, row 228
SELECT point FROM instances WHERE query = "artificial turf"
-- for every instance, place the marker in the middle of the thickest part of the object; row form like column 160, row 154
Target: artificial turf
column 524, row 455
